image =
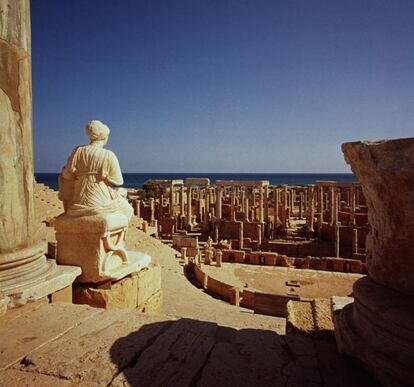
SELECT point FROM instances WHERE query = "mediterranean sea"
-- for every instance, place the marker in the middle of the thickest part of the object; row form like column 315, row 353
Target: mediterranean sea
column 136, row 180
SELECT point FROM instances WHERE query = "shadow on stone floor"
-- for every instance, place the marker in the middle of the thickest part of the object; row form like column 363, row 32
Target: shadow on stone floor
column 188, row 352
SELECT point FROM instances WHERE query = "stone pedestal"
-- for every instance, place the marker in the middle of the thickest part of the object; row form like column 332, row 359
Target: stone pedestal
column 141, row 290
column 25, row 273
column 97, row 244
column 378, row 327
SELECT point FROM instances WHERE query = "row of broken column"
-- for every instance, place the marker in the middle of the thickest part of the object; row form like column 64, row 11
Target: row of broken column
column 273, row 207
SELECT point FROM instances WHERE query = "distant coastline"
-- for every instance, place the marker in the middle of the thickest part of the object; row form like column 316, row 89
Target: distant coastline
column 136, row 180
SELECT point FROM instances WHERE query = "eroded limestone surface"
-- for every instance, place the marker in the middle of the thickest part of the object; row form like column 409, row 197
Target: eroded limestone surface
column 17, row 227
column 386, row 171
column 85, row 346
column 377, row 327
column 25, row 274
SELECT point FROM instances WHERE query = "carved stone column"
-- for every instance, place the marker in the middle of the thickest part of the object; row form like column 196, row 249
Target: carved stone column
column 321, row 198
column 189, row 199
column 246, row 206
column 152, row 211
column 219, row 193
column 241, row 235
column 377, row 328
column 242, row 199
column 25, row 274
column 207, row 201
column 276, row 208
column 172, row 199
column 137, row 207
column 332, row 205
column 233, row 204
column 182, row 201
column 261, row 212
column 352, row 204
column 284, row 213
column 311, row 211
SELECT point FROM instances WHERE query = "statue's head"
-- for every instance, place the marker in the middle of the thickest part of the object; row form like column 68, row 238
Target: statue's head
column 97, row 131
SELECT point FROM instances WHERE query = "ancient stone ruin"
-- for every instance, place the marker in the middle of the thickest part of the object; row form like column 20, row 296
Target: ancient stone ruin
column 276, row 254
column 325, row 219
column 25, row 273
column 309, row 238
column 377, row 327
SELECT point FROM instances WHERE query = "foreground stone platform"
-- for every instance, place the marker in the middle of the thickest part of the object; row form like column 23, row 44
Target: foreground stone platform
column 66, row 345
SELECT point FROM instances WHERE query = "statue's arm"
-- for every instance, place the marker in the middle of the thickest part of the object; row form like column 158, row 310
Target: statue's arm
column 69, row 170
column 66, row 180
column 114, row 174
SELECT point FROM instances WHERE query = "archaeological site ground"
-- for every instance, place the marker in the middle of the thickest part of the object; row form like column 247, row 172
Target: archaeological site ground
column 190, row 282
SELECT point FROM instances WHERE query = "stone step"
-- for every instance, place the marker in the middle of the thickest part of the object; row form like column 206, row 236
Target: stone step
column 96, row 349
column 30, row 331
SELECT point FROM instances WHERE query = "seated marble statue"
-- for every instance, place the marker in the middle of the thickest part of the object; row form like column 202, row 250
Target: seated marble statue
column 88, row 180
column 91, row 233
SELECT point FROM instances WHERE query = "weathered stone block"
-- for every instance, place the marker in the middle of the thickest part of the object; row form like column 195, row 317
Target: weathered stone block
column 63, row 295
column 52, row 250
column 270, row 259
column 3, row 305
column 338, row 265
column 355, row 266
column 121, row 294
column 283, row 261
column 299, row 317
column 153, row 305
column 97, row 245
column 139, row 290
column 386, row 171
column 148, row 284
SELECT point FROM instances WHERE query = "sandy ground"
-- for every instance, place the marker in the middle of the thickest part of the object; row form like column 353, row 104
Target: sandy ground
column 305, row 283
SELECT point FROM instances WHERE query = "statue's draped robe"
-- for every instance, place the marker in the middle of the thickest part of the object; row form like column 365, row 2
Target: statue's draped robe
column 85, row 184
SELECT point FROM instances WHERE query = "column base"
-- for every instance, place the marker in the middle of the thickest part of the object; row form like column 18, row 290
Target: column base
column 378, row 330
column 53, row 280
column 26, row 276
column 4, row 301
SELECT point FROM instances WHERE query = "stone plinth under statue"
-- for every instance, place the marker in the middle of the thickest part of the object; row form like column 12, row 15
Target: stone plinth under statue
column 97, row 244
column 378, row 327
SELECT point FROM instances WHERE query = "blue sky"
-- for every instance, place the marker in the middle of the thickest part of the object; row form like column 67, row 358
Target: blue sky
column 221, row 86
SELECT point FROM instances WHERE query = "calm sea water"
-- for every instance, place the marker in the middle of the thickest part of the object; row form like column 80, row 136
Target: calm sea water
column 136, row 180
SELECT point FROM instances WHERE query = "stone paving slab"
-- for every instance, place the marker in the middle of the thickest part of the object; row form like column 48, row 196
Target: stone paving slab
column 72, row 345
column 89, row 353
column 19, row 379
column 247, row 357
column 30, row 331
column 176, row 357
